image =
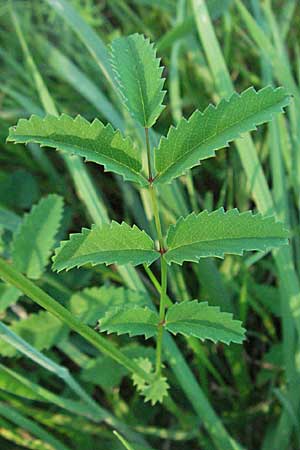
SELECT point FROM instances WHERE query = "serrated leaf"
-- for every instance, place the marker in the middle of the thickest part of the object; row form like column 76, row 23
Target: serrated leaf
column 105, row 372
column 135, row 321
column 112, row 243
column 155, row 391
column 147, row 366
column 91, row 303
column 192, row 318
column 41, row 330
column 138, row 74
column 198, row 138
column 35, row 237
column 219, row 232
column 93, row 141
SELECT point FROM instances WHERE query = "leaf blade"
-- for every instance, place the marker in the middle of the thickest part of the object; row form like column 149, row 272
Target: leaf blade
column 138, row 75
column 112, row 243
column 199, row 137
column 35, row 237
column 136, row 321
column 94, row 141
column 198, row 319
column 217, row 233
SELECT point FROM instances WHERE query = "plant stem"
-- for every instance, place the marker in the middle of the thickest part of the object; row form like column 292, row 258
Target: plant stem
column 163, row 290
column 156, row 216
column 162, row 309
column 150, row 174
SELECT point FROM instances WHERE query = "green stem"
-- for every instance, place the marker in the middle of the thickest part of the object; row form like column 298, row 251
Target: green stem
column 156, row 216
column 150, row 174
column 163, row 291
column 162, row 310
column 15, row 278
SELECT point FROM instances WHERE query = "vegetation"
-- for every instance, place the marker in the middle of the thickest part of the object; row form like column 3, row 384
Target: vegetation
column 181, row 225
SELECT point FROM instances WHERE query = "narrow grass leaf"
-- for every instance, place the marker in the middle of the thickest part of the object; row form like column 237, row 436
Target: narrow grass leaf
column 214, row 234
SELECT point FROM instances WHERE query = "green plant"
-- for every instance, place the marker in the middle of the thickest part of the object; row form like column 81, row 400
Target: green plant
column 138, row 78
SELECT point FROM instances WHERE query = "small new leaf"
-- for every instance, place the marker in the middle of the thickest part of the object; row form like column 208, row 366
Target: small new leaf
column 93, row 141
column 138, row 74
column 200, row 320
column 214, row 234
column 155, row 391
column 35, row 237
column 198, row 138
column 112, row 243
column 147, row 366
column 136, row 321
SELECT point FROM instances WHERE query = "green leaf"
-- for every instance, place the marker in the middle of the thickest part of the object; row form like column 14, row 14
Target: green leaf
column 154, row 391
column 105, row 372
column 94, row 141
column 35, row 237
column 9, row 220
column 8, row 296
column 135, row 321
column 41, row 330
column 107, row 243
column 202, row 134
column 138, row 74
column 91, row 303
column 220, row 232
column 192, row 318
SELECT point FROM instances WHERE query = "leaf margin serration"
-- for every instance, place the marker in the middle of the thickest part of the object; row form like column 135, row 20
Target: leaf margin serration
column 85, row 231
column 164, row 178
column 221, row 211
column 118, row 309
column 137, row 175
column 216, row 309
column 160, row 80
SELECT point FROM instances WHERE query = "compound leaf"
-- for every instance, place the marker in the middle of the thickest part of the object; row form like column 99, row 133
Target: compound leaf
column 35, row 237
column 112, row 243
column 200, row 320
column 214, row 234
column 202, row 134
column 135, row 321
column 138, row 74
column 93, row 141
